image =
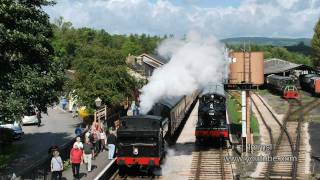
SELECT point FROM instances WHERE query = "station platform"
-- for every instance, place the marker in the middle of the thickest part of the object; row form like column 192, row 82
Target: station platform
column 98, row 165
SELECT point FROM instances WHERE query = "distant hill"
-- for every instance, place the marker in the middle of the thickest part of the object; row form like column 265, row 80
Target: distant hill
column 267, row 41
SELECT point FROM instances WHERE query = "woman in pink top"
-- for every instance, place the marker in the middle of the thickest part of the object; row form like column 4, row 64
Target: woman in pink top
column 76, row 159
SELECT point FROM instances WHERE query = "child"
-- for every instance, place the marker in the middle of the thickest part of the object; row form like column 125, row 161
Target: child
column 56, row 166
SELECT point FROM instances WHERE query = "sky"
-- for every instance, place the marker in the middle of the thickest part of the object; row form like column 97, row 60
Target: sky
column 219, row 18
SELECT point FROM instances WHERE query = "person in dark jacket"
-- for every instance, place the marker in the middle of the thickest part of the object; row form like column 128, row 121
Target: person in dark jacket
column 111, row 140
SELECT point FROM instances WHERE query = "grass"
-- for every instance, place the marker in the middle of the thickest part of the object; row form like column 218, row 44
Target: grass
column 234, row 110
column 7, row 153
column 254, row 125
column 263, row 91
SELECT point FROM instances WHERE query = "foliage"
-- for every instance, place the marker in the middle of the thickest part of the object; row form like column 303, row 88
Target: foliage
column 98, row 59
column 278, row 52
column 234, row 110
column 315, row 44
column 265, row 41
column 29, row 73
column 300, row 48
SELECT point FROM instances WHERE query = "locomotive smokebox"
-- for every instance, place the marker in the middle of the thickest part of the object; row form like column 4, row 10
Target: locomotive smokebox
column 246, row 67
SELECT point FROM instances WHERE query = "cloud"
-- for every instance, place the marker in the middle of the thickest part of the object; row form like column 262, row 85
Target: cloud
column 290, row 18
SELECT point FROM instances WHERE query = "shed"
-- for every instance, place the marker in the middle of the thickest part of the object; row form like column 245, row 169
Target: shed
column 282, row 67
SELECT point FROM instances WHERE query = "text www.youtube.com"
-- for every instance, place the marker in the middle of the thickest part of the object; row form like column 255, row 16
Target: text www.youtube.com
column 260, row 158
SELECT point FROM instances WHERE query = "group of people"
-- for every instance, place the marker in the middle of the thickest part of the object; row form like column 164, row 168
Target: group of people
column 95, row 141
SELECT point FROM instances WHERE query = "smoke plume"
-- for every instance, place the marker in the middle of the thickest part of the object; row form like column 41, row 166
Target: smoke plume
column 194, row 63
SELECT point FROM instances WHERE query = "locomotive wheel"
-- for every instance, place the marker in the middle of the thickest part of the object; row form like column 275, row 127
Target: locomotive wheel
column 122, row 171
column 150, row 172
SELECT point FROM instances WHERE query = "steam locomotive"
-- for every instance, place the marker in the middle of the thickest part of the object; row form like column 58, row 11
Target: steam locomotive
column 212, row 117
column 284, row 85
column 142, row 138
column 310, row 82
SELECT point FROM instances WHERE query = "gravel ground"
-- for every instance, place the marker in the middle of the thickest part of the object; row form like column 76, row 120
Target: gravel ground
column 314, row 126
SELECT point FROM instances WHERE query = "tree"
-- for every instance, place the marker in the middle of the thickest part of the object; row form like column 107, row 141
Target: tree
column 315, row 44
column 30, row 75
column 102, row 78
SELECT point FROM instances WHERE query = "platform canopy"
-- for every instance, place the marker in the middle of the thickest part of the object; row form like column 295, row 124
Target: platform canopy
column 276, row 66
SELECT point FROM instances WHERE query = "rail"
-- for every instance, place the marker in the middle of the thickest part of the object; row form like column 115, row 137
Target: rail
column 108, row 171
column 269, row 132
column 222, row 164
column 208, row 163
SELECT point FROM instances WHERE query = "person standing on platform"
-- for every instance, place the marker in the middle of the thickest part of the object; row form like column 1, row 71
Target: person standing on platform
column 88, row 153
column 102, row 140
column 76, row 155
column 56, row 166
column 111, row 140
column 78, row 142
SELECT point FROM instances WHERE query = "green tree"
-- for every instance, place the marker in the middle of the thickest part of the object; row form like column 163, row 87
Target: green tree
column 102, row 78
column 315, row 44
column 30, row 75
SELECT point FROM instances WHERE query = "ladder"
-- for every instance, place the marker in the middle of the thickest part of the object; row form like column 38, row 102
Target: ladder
column 247, row 66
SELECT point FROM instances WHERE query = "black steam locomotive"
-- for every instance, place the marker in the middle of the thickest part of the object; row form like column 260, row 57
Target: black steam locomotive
column 141, row 142
column 212, row 116
column 141, row 138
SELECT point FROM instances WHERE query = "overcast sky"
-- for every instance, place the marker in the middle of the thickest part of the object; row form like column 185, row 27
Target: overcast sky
column 221, row 18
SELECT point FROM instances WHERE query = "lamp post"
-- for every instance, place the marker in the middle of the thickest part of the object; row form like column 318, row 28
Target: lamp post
column 98, row 102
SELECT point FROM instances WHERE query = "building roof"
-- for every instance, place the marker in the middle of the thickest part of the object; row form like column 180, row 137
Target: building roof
column 159, row 59
column 274, row 66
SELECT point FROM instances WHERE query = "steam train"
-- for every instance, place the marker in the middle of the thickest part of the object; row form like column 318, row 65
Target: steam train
column 284, row 85
column 212, row 117
column 142, row 138
column 311, row 83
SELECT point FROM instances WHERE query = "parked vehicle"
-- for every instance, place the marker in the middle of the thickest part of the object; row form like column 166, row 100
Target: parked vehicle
column 6, row 135
column 15, row 127
column 32, row 116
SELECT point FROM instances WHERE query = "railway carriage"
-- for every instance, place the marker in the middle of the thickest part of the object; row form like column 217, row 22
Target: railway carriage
column 311, row 83
column 212, row 116
column 284, row 85
column 141, row 139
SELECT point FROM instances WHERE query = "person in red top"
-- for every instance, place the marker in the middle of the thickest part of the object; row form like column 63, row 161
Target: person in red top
column 76, row 159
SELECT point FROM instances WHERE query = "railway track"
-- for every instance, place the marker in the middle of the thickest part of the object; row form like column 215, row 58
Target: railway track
column 208, row 164
column 286, row 143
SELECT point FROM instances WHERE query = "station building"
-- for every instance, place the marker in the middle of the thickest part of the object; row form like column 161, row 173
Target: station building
column 145, row 64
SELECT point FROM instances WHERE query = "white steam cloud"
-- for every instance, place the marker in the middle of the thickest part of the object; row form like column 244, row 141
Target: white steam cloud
column 195, row 62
